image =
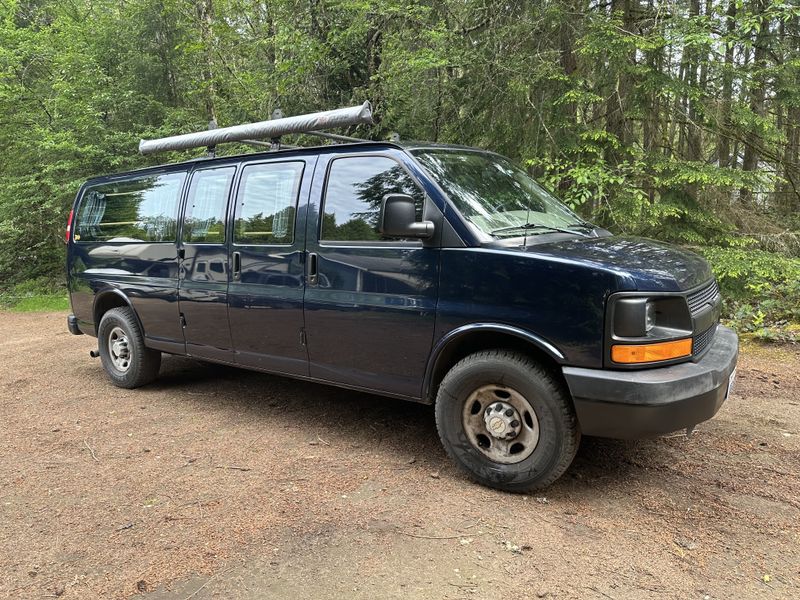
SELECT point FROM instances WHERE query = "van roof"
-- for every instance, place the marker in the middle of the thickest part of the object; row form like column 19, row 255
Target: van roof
column 302, row 150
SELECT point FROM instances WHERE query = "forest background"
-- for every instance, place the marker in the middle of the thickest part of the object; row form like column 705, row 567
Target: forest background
column 676, row 120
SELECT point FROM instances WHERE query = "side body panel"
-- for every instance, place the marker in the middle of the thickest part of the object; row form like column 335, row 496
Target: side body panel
column 370, row 317
column 560, row 302
column 204, row 301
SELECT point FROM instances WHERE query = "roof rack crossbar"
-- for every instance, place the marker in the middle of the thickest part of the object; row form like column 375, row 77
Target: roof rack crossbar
column 335, row 137
column 268, row 145
column 274, row 128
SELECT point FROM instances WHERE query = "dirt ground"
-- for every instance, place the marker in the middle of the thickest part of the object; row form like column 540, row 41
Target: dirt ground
column 220, row 483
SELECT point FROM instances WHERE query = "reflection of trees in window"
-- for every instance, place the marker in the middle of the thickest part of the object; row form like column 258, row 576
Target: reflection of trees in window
column 353, row 230
column 142, row 209
column 205, row 209
column 480, row 183
column 203, row 230
column 362, row 225
column 266, row 206
column 261, row 228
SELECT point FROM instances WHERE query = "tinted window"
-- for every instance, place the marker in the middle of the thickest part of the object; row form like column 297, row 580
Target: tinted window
column 355, row 191
column 204, row 221
column 143, row 209
column 267, row 202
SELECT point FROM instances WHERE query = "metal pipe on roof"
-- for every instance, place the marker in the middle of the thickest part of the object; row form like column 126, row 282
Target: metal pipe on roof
column 334, row 136
column 275, row 128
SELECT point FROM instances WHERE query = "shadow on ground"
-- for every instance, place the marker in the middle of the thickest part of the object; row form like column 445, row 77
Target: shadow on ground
column 403, row 427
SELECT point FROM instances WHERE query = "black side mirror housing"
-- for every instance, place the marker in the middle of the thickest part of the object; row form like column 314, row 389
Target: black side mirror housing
column 399, row 218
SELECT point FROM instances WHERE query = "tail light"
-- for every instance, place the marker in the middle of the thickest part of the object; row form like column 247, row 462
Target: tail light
column 68, row 233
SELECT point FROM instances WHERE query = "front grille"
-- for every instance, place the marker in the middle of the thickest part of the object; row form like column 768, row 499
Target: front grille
column 700, row 298
column 702, row 340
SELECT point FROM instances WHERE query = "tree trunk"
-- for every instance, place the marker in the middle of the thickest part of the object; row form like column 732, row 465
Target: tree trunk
column 694, row 139
column 725, row 125
column 789, row 190
column 205, row 16
column 757, row 94
column 618, row 96
column 569, row 63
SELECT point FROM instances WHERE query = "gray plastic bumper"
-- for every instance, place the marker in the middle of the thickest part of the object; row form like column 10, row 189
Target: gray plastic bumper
column 650, row 402
column 72, row 325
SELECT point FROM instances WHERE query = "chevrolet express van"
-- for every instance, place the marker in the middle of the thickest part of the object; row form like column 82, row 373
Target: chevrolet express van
column 432, row 273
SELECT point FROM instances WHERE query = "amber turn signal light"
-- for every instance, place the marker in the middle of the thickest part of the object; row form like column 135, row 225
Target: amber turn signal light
column 647, row 353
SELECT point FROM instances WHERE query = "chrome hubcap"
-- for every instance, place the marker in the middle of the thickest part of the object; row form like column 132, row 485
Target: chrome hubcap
column 502, row 421
column 501, row 424
column 118, row 349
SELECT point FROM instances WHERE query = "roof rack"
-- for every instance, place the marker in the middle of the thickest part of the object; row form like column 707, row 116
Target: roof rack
column 273, row 129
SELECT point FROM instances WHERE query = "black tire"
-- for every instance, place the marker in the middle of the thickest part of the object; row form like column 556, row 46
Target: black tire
column 143, row 363
column 557, row 427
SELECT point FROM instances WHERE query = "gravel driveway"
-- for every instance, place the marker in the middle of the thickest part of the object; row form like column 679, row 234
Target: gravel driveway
column 220, row 483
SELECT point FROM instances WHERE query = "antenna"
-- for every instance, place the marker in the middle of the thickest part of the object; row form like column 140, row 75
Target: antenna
column 271, row 130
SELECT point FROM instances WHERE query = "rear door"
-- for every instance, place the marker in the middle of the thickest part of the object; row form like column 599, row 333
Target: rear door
column 370, row 302
column 125, row 239
column 204, row 272
column 265, row 294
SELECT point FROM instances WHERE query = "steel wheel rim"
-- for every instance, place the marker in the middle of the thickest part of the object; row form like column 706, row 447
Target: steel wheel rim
column 119, row 349
column 491, row 430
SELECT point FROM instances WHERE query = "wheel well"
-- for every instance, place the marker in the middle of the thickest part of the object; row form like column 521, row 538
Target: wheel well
column 468, row 344
column 105, row 303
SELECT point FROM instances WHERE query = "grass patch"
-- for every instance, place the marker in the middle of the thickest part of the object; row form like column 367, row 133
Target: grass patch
column 43, row 303
column 35, row 295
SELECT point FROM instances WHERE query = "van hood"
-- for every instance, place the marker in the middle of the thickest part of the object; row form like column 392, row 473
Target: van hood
column 653, row 265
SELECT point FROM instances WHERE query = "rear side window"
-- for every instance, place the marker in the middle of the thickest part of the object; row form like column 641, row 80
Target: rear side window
column 354, row 194
column 267, row 202
column 141, row 209
column 204, row 220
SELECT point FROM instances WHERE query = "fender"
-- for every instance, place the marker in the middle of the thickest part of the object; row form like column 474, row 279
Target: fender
column 112, row 291
column 459, row 332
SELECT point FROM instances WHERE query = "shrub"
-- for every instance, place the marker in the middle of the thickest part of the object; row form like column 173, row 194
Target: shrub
column 761, row 291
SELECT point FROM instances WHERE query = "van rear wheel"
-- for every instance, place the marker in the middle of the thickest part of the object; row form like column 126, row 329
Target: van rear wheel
column 127, row 361
column 506, row 421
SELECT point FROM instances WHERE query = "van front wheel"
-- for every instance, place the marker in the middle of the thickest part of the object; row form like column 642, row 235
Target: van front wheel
column 127, row 361
column 507, row 421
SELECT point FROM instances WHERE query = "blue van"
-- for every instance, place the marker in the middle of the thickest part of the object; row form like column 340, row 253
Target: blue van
column 432, row 273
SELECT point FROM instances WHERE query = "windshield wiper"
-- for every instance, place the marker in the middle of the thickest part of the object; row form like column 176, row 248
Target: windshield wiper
column 530, row 226
column 582, row 225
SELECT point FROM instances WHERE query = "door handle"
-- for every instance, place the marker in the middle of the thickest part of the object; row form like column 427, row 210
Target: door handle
column 237, row 265
column 312, row 268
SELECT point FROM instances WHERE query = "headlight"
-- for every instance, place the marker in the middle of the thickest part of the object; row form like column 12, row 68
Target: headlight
column 646, row 329
column 649, row 316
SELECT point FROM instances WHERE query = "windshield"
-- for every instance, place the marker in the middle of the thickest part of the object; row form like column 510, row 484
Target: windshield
column 496, row 196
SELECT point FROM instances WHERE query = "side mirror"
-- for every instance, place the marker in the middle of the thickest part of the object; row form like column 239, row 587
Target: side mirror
column 399, row 218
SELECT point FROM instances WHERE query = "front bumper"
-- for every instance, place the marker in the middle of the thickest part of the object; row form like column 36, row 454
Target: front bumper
column 650, row 402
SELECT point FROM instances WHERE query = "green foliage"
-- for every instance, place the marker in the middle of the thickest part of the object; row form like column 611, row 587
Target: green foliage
column 33, row 296
column 761, row 290
column 672, row 120
column 41, row 304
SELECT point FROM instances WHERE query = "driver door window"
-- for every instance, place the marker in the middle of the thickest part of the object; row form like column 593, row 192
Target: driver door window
column 354, row 193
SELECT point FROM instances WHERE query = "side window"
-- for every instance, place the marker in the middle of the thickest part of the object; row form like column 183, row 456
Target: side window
column 204, row 220
column 267, row 202
column 355, row 190
column 143, row 209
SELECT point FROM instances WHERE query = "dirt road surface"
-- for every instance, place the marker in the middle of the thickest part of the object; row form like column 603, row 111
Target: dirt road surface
column 220, row 483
